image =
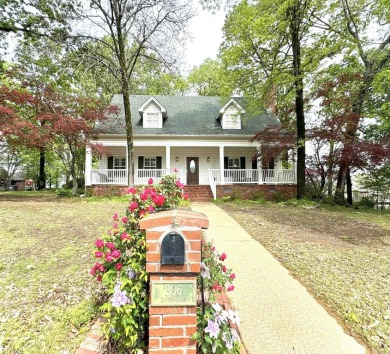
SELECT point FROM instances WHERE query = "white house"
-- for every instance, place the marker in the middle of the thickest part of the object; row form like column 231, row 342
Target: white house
column 204, row 140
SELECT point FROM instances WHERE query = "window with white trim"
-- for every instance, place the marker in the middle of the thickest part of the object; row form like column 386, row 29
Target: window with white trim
column 234, row 164
column 119, row 163
column 150, row 163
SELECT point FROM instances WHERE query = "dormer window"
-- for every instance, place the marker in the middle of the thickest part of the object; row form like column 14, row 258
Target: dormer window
column 152, row 113
column 151, row 120
column 230, row 115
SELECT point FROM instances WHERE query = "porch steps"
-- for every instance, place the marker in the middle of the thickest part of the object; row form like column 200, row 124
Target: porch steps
column 198, row 193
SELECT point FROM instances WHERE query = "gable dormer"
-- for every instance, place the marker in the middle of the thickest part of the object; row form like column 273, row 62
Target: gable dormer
column 152, row 113
column 230, row 115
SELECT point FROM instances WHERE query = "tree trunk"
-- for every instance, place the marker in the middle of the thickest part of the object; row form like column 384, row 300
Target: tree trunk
column 330, row 169
column 349, row 188
column 42, row 175
column 299, row 110
column 341, row 178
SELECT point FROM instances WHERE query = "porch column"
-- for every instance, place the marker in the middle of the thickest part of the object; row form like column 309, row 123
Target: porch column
column 168, row 157
column 88, row 166
column 127, row 166
column 221, row 164
column 294, row 164
column 259, row 166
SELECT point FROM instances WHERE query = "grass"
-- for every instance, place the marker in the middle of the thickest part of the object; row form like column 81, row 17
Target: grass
column 48, row 297
column 341, row 255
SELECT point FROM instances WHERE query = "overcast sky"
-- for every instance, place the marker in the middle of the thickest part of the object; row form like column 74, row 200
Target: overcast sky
column 206, row 30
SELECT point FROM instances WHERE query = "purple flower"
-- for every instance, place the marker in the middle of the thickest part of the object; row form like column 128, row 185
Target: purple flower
column 228, row 341
column 212, row 328
column 204, row 271
column 119, row 297
column 131, row 273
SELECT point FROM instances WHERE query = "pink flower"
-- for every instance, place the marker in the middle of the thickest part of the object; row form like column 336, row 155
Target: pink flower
column 142, row 213
column 224, row 269
column 213, row 248
column 131, row 191
column 98, row 254
column 93, row 271
column 150, row 181
column 159, row 200
column 116, row 253
column 144, row 196
column 150, row 209
column 99, row 278
column 230, row 288
column 232, row 276
column 110, row 245
column 223, row 257
column 179, row 184
column 175, row 170
column 115, row 217
column 101, row 267
column 185, row 197
column 99, row 243
column 118, row 266
column 124, row 220
column 125, row 236
column 133, row 206
column 108, row 257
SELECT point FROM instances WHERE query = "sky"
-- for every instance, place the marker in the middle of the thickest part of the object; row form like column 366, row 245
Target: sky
column 206, row 30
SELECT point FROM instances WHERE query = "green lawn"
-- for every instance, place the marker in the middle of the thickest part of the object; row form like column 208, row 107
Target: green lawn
column 341, row 255
column 47, row 295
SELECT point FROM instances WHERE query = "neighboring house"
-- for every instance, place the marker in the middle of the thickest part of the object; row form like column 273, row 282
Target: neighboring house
column 204, row 140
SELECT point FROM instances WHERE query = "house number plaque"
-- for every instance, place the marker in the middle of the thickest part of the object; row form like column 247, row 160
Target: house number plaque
column 173, row 293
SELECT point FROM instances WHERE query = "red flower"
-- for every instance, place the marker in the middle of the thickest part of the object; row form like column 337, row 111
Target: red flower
column 232, row 276
column 131, row 191
column 142, row 213
column 118, row 266
column 110, row 245
column 93, row 271
column 144, row 196
column 150, row 181
column 115, row 217
column 99, row 243
column 185, row 197
column 99, row 278
column 150, row 209
column 116, row 253
column 223, row 257
column 159, row 200
column 230, row 288
column 98, row 254
column 224, row 269
column 124, row 220
column 133, row 206
column 101, row 267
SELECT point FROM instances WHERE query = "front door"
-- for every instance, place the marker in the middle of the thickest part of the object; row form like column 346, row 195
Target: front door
column 193, row 170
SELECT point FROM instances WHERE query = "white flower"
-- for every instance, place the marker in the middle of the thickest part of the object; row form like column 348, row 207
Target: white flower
column 204, row 271
column 217, row 307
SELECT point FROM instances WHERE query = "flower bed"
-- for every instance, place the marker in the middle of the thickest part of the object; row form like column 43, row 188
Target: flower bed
column 120, row 265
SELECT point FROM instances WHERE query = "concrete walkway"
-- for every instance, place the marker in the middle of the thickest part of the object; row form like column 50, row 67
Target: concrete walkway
column 277, row 313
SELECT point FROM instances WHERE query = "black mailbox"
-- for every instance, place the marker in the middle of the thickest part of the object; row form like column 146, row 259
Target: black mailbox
column 172, row 249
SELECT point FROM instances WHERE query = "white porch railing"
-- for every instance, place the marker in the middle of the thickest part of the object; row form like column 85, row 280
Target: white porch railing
column 213, row 185
column 119, row 177
column 253, row 176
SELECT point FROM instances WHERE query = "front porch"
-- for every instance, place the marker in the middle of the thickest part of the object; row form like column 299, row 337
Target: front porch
column 219, row 180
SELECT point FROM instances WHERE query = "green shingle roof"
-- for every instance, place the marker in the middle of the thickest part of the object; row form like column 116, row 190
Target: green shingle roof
column 187, row 115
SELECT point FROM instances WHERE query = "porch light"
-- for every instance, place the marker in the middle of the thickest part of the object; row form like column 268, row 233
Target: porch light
column 177, row 158
column 208, row 158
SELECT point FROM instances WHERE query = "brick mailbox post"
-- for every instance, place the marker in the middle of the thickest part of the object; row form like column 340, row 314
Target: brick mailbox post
column 173, row 256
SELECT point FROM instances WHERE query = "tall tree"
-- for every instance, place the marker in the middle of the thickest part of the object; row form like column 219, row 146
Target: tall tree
column 364, row 29
column 132, row 30
column 270, row 48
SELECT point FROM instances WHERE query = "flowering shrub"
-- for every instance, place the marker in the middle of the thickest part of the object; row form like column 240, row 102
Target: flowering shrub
column 120, row 263
column 214, row 334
